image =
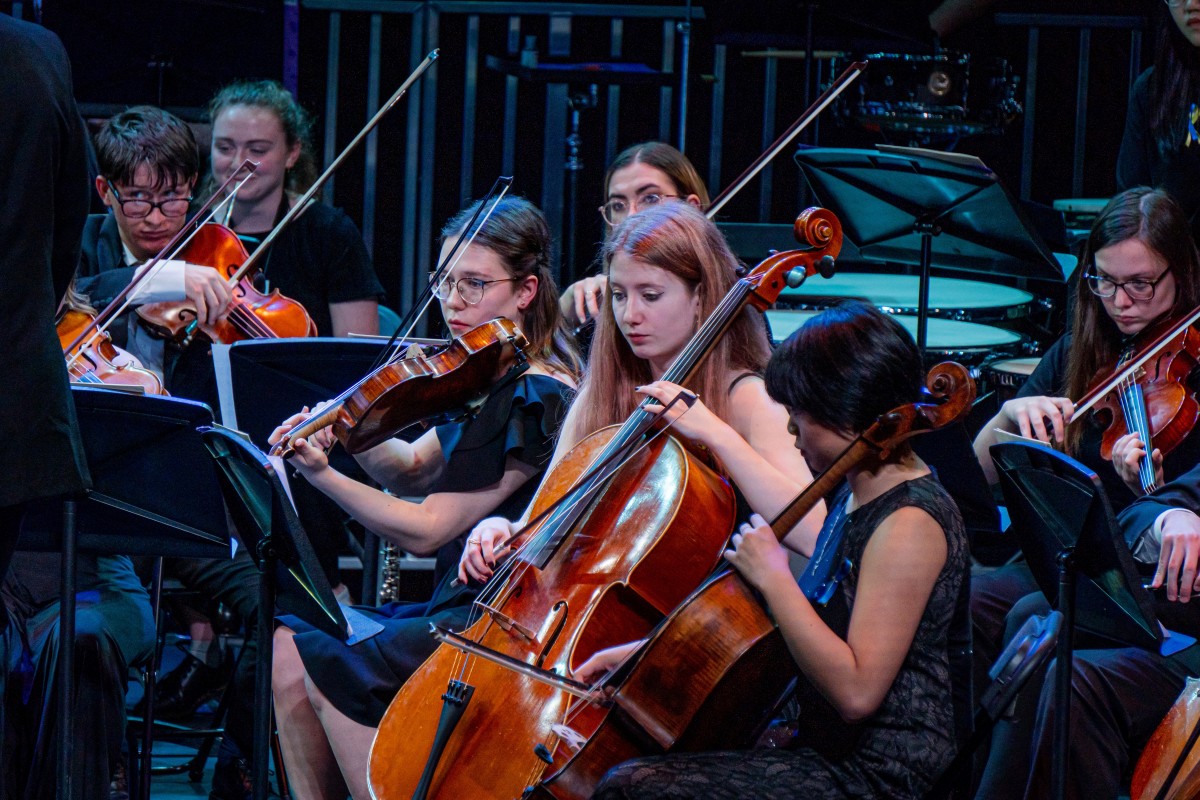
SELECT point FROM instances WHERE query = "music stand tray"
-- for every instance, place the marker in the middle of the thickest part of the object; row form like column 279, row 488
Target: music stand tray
column 154, row 489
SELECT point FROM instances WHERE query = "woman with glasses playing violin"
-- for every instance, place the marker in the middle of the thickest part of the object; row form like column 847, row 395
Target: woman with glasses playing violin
column 1139, row 265
column 329, row 698
column 1161, row 146
column 640, row 177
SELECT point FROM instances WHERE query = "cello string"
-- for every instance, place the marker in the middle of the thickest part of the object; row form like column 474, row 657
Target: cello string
column 510, row 570
column 697, row 346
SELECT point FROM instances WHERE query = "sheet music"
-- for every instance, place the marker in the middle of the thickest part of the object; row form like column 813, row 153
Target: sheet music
column 220, row 357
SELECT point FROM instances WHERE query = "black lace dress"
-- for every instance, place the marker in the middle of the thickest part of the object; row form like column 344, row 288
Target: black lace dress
column 896, row 753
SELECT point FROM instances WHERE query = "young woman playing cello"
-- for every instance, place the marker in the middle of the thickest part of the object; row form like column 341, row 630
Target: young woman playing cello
column 329, row 697
column 668, row 267
column 889, row 674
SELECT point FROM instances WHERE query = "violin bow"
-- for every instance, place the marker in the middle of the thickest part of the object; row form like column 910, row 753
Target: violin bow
column 847, row 77
column 118, row 304
column 302, row 203
column 1092, row 397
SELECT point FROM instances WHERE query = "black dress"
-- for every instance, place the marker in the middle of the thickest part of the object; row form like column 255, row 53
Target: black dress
column 896, row 753
column 520, row 422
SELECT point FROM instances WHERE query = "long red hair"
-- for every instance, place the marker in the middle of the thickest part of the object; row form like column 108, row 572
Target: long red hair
column 677, row 238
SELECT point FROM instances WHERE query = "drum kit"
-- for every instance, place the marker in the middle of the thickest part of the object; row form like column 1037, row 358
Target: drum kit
column 923, row 97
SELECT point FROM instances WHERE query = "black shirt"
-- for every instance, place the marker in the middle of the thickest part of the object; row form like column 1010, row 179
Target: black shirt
column 319, row 259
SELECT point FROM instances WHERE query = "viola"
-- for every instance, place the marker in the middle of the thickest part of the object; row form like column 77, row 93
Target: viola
column 99, row 360
column 620, row 549
column 1150, row 392
column 732, row 648
column 409, row 390
column 252, row 314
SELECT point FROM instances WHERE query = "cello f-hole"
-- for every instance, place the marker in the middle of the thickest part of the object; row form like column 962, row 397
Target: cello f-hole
column 560, row 609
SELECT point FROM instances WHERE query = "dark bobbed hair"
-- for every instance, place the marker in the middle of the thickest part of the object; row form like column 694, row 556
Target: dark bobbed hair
column 150, row 137
column 517, row 232
column 295, row 121
column 1175, row 82
column 845, row 367
column 1153, row 218
column 666, row 158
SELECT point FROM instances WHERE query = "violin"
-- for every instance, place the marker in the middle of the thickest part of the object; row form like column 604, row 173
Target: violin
column 607, row 557
column 99, row 360
column 1150, row 392
column 409, row 390
column 252, row 314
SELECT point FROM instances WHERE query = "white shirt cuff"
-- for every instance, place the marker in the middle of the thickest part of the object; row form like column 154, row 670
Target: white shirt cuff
column 1147, row 548
column 164, row 286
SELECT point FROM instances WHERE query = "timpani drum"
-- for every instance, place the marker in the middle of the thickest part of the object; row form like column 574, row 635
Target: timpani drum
column 949, row 298
column 1006, row 376
column 968, row 343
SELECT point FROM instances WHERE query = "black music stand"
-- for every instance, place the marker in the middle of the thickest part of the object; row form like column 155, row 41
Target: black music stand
column 893, row 201
column 262, row 382
column 291, row 576
column 1065, row 526
column 154, row 493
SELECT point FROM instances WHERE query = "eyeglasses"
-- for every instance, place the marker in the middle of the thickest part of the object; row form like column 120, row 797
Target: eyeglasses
column 615, row 211
column 469, row 289
column 137, row 208
column 1137, row 289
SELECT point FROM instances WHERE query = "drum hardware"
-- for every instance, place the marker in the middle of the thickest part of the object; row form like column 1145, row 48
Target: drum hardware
column 968, row 343
column 949, row 298
column 926, row 97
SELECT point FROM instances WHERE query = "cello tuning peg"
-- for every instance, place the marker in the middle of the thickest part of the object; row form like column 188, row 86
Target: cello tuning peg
column 827, row 266
column 795, row 277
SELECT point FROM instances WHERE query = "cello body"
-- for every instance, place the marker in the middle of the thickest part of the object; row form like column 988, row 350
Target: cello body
column 709, row 679
column 650, row 537
column 1169, row 767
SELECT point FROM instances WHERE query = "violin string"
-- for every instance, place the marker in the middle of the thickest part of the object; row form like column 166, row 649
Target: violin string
column 152, row 268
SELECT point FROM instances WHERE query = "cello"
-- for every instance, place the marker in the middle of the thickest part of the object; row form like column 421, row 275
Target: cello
column 606, row 563
column 732, row 646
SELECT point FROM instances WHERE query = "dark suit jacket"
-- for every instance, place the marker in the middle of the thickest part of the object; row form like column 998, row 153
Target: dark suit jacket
column 1138, row 516
column 44, row 192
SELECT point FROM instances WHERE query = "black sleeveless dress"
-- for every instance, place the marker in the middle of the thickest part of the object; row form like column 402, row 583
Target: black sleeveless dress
column 896, row 753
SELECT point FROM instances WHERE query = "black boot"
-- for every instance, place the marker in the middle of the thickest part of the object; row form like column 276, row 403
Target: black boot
column 232, row 779
column 187, row 687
